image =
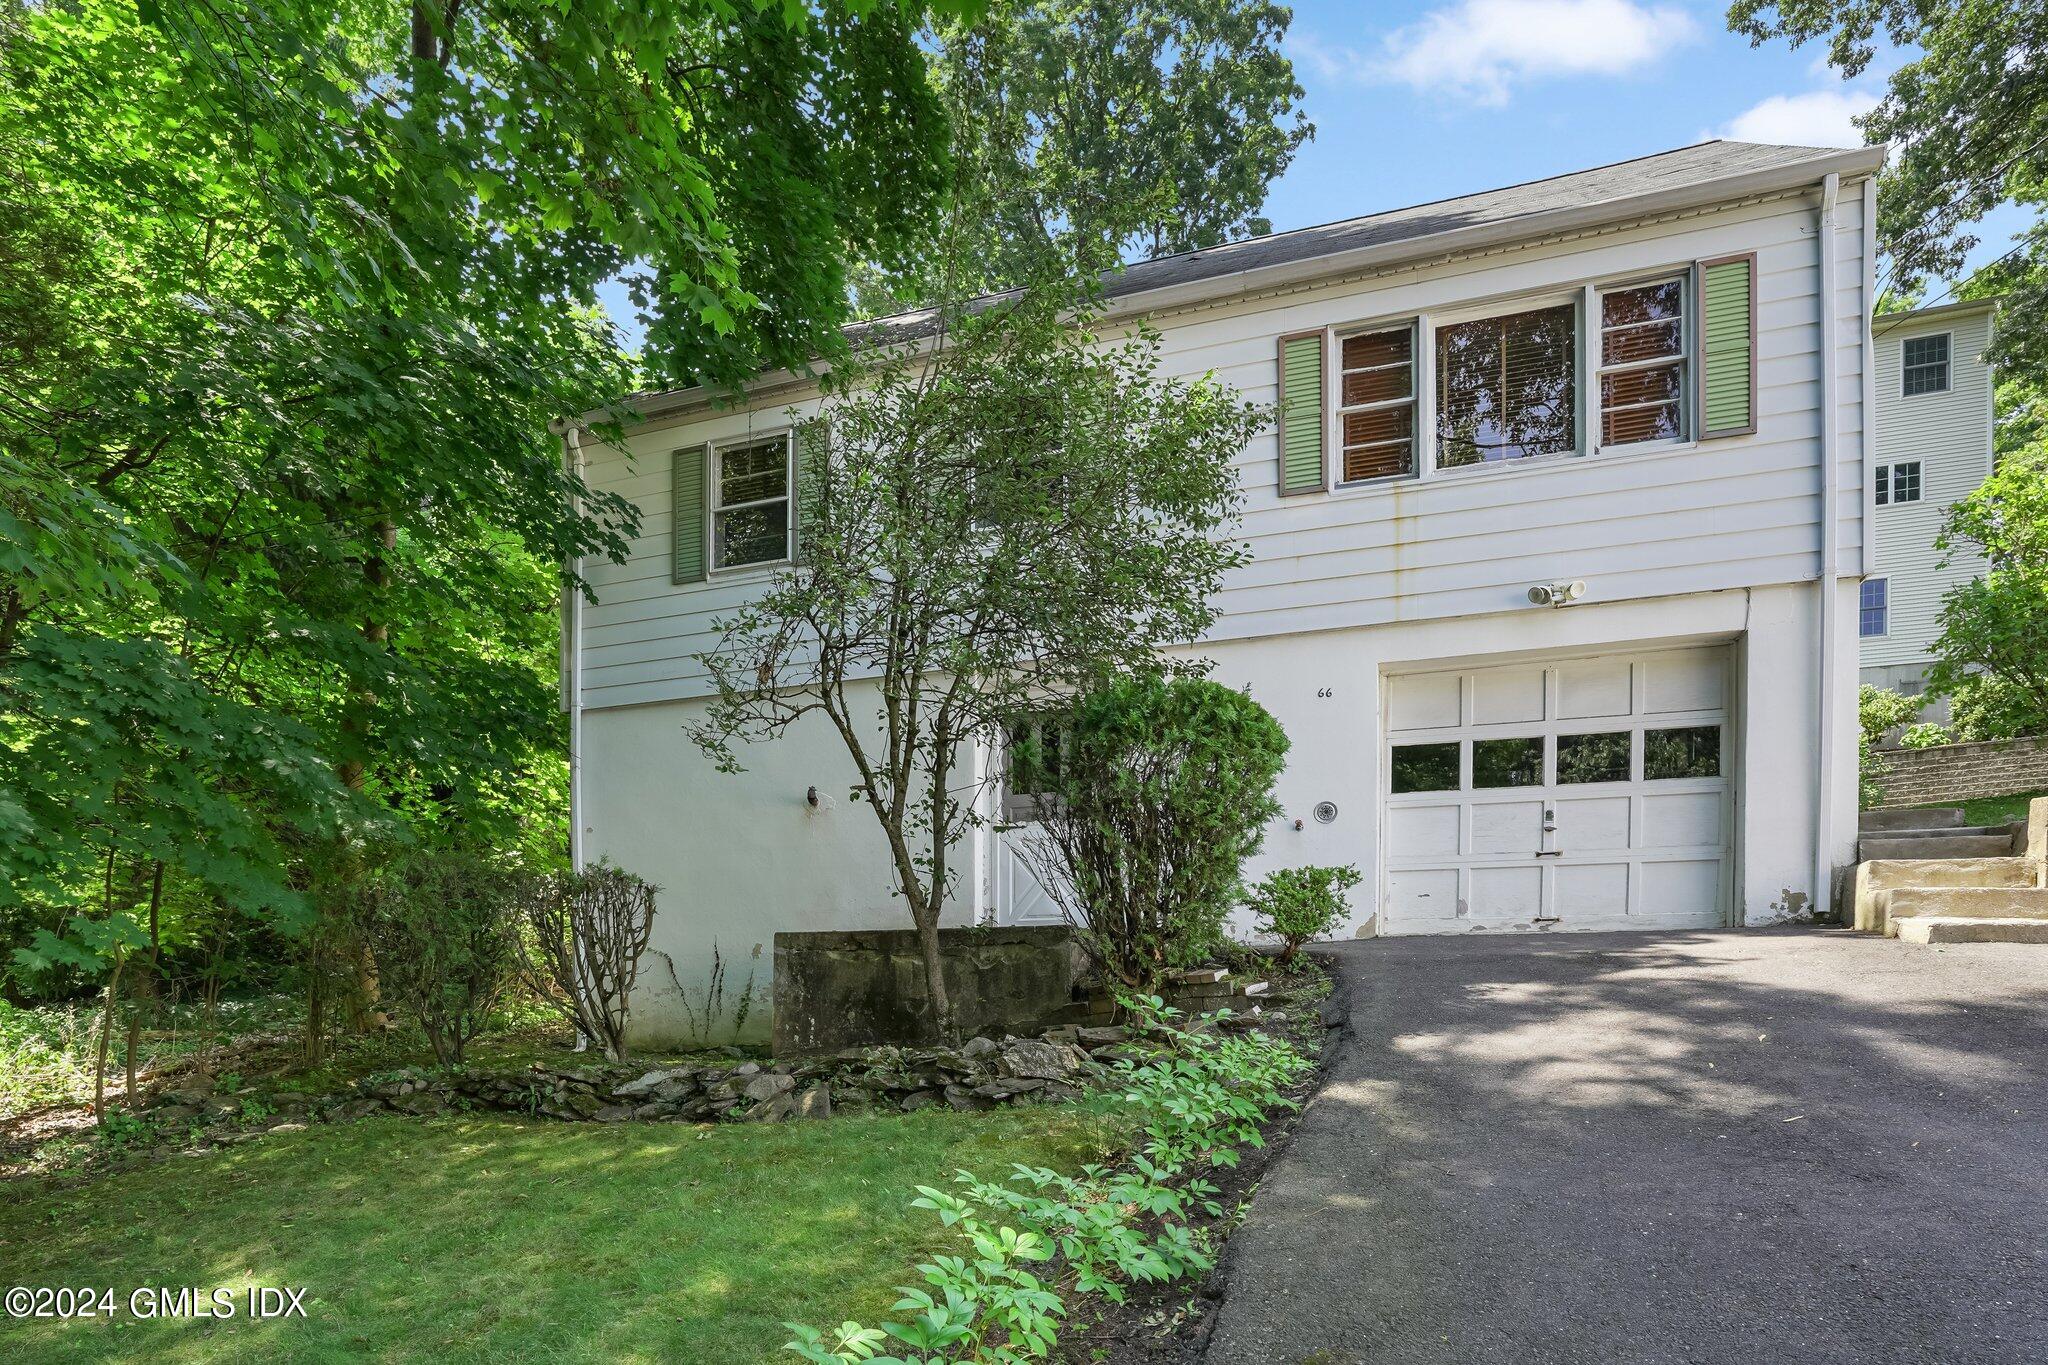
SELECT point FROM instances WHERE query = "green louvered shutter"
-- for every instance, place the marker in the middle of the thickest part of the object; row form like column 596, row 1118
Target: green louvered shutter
column 811, row 443
column 687, row 513
column 1728, row 346
column 1301, row 414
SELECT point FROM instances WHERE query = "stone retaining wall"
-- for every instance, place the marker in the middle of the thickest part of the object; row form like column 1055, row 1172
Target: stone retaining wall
column 1964, row 772
column 854, row 988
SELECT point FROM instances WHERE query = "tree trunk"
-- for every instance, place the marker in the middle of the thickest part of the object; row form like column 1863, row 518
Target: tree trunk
column 99, row 1062
column 944, row 1028
column 316, row 1022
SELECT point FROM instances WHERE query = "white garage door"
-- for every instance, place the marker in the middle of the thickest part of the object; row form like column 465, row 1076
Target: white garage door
column 1579, row 794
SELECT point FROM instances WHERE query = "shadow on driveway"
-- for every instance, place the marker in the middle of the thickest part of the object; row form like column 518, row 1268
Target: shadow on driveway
column 1756, row 1146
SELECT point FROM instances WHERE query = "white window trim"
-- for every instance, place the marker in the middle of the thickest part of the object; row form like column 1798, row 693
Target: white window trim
column 1595, row 410
column 1948, row 365
column 1334, row 349
column 1890, row 471
column 1886, row 632
column 1426, row 329
column 712, row 505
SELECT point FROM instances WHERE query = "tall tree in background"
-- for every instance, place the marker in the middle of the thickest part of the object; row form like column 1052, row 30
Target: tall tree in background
column 288, row 297
column 1102, row 130
column 1967, row 116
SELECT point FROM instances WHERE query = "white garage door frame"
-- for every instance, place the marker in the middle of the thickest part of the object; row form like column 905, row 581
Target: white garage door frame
column 1565, row 880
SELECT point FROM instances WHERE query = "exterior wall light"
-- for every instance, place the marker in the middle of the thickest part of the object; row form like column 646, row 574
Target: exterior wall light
column 1557, row 594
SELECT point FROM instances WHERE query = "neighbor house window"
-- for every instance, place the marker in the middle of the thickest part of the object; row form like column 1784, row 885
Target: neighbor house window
column 1925, row 364
column 1505, row 387
column 1872, row 605
column 1642, row 363
column 1901, row 486
column 1377, row 412
column 750, row 502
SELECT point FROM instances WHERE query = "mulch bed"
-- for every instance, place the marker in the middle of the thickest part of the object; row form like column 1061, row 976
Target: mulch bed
column 1169, row 1324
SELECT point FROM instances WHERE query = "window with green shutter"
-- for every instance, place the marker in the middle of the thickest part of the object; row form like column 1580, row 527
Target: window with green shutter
column 686, row 512
column 1728, row 346
column 1301, row 413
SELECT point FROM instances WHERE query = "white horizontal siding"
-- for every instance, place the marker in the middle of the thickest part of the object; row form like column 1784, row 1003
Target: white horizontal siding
column 1726, row 514
column 1950, row 434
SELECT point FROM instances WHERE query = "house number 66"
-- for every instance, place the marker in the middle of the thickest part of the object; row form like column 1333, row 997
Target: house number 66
column 1326, row 692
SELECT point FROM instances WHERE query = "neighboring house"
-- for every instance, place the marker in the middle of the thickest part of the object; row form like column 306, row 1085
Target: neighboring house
column 1934, row 405
column 1646, row 377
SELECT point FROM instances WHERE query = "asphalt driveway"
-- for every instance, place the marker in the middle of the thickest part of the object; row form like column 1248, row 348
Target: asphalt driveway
column 1771, row 1146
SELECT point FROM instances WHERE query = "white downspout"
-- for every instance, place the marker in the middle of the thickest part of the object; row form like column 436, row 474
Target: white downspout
column 1830, row 479
column 572, row 657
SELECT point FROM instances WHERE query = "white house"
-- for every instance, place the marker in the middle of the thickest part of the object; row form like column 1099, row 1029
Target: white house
column 1934, row 414
column 1650, row 378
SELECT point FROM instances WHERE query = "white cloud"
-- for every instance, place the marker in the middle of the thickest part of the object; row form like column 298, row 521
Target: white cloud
column 1818, row 118
column 1481, row 49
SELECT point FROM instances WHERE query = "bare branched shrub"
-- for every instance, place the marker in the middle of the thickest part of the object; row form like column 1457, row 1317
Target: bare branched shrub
column 586, row 934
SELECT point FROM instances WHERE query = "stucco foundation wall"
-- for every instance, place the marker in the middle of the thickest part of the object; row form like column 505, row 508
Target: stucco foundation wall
column 737, row 857
column 1964, row 772
column 741, row 857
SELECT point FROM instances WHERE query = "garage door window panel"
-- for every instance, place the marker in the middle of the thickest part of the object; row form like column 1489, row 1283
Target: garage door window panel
column 1425, row 768
column 1507, row 762
column 1688, row 751
column 1601, row 757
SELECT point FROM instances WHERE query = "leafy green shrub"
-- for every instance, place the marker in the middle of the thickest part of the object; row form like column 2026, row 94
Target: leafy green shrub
column 1297, row 904
column 1877, row 711
column 441, row 925
column 1166, row 784
column 1925, row 735
column 1202, row 1096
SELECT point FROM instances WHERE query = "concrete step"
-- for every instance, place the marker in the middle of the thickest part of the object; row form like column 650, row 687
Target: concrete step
column 1907, row 817
column 1934, row 845
column 1958, row 929
column 1946, row 832
column 1962, row 902
column 1875, row 878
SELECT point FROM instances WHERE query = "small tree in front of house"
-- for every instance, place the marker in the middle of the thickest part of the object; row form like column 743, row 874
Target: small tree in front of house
column 1018, row 511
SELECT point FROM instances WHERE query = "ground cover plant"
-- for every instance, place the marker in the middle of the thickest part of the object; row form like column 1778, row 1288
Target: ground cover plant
column 1039, row 1236
column 549, row 1242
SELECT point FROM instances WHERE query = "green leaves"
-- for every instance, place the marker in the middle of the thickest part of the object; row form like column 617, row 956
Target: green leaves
column 1992, row 655
column 1201, row 1095
column 1299, row 904
column 1166, row 788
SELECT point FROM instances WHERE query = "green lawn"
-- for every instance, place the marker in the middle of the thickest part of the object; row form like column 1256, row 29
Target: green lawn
column 474, row 1239
column 1994, row 810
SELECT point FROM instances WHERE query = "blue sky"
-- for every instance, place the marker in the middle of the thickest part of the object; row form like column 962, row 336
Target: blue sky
column 1432, row 98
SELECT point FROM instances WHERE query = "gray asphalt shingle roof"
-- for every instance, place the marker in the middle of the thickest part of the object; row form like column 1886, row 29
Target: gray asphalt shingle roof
column 1697, row 165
